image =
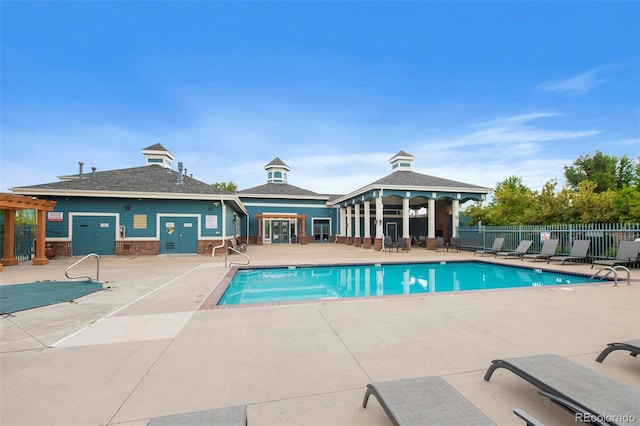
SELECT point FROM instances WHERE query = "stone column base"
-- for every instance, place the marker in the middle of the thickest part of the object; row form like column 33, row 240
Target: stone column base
column 366, row 242
column 377, row 244
column 431, row 243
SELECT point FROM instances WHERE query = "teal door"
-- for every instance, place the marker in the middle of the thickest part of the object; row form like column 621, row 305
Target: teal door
column 178, row 235
column 392, row 231
column 93, row 234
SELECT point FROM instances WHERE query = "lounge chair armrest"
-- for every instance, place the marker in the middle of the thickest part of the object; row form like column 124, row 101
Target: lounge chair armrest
column 530, row 420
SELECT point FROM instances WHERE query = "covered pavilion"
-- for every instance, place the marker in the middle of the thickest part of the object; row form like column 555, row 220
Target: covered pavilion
column 401, row 192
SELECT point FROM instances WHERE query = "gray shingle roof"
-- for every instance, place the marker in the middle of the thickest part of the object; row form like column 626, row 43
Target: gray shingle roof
column 403, row 154
column 409, row 178
column 148, row 179
column 281, row 189
column 277, row 162
column 155, row 147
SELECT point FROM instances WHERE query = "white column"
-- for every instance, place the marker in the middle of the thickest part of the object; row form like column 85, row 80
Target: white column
column 379, row 215
column 455, row 222
column 405, row 218
column 343, row 223
column 367, row 219
column 432, row 218
column 356, row 226
column 349, row 225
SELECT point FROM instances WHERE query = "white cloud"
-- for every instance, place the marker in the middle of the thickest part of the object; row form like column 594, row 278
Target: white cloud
column 576, row 85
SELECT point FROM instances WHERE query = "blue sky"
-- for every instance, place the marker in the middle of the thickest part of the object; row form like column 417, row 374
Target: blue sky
column 476, row 91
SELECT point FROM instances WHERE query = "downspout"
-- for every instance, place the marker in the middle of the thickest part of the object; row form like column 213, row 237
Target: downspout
column 224, row 230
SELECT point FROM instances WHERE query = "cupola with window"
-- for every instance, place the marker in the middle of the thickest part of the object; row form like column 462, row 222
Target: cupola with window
column 401, row 161
column 158, row 155
column 276, row 171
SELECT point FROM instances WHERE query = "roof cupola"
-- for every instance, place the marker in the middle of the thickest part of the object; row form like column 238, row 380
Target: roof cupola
column 158, row 155
column 276, row 171
column 401, row 161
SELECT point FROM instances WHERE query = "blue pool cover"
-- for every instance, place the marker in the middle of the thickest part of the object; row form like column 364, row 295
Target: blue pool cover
column 20, row 297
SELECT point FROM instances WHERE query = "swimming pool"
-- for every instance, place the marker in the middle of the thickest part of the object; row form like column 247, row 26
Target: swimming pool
column 298, row 283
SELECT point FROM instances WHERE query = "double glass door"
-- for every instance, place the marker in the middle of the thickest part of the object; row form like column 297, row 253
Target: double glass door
column 321, row 230
column 278, row 231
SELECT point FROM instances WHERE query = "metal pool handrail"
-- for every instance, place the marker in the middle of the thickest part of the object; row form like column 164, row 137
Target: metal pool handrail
column 613, row 269
column 66, row 272
column 226, row 254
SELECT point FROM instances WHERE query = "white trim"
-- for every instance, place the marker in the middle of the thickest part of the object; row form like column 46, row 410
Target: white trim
column 433, row 189
column 119, row 194
column 285, row 197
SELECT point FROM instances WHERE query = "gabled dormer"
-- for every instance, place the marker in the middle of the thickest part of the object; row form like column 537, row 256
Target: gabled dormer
column 276, row 171
column 158, row 154
column 401, row 161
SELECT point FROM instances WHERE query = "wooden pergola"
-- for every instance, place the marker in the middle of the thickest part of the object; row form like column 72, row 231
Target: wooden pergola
column 10, row 204
column 301, row 218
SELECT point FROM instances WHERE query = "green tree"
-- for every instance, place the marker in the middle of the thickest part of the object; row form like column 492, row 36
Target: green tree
column 549, row 207
column 225, row 186
column 626, row 202
column 592, row 206
column 606, row 171
column 510, row 199
column 26, row 217
column 625, row 173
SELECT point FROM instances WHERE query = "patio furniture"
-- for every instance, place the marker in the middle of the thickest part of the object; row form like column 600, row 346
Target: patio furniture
column 439, row 243
column 402, row 244
column 627, row 254
column 578, row 252
column 495, row 248
column 228, row 416
column 389, row 244
column 424, row 401
column 586, row 393
column 548, row 250
column 633, row 346
column 520, row 251
column 455, row 244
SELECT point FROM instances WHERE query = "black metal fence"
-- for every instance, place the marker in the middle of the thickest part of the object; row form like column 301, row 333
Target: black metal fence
column 24, row 242
column 604, row 237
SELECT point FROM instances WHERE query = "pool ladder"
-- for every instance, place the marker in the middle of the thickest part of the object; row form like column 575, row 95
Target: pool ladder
column 66, row 272
column 613, row 269
column 226, row 255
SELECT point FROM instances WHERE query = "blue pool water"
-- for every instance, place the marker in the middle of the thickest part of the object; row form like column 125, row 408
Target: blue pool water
column 297, row 283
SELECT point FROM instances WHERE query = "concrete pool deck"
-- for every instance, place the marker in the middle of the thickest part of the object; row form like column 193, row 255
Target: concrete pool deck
column 142, row 349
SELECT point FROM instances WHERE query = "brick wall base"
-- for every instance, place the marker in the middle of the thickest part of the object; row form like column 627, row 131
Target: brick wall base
column 366, row 243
